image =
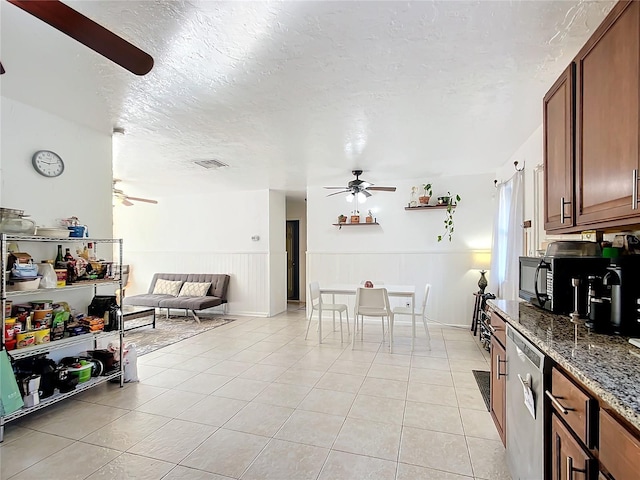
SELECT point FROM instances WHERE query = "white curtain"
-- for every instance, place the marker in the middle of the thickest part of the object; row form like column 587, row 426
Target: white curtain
column 507, row 238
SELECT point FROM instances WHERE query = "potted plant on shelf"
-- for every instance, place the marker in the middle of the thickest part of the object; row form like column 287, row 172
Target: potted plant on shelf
column 424, row 199
column 342, row 219
column 448, row 219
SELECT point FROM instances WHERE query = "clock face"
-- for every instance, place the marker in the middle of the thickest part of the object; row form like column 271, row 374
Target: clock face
column 47, row 163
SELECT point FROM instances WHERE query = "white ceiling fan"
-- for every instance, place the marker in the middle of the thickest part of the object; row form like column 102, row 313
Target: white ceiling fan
column 127, row 200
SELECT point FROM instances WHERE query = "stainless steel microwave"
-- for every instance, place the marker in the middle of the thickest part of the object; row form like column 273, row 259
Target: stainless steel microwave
column 547, row 281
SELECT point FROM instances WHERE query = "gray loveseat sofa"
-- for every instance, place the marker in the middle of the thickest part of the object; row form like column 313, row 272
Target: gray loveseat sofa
column 215, row 296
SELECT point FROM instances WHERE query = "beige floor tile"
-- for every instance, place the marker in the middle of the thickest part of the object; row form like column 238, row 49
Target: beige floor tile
column 241, row 389
column 168, row 378
column 265, row 346
column 389, row 372
column 488, row 459
column 131, row 396
column 350, row 367
column 284, row 460
column 378, row 409
column 373, row 439
column 197, row 364
column 173, row 441
column 259, row 419
column 78, row 419
column 132, row 466
column 439, row 418
column 283, row 395
column 13, row 432
column 124, row 432
column 340, row 382
column 464, row 379
column 436, row 394
column 171, row 403
column 470, row 398
column 295, row 376
column 466, row 365
column 447, row 451
column 379, row 387
column 311, row 428
column 413, row 472
column 347, row 466
column 28, row 450
column 249, row 356
column 203, row 383
column 361, row 356
column 430, row 363
column 147, row 371
column 185, row 473
column 213, row 410
column 229, row 368
column 478, row 424
column 267, row 373
column 168, row 360
column 328, row 401
column 66, row 464
column 433, row 377
column 226, row 453
column 386, row 358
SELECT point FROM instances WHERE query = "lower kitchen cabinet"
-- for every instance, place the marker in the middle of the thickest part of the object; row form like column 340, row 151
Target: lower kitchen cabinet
column 619, row 449
column 569, row 460
column 498, row 387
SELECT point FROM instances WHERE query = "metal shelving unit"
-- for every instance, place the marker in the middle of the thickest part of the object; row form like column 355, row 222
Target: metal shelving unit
column 65, row 342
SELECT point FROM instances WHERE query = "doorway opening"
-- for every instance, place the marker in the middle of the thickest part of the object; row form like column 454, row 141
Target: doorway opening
column 293, row 260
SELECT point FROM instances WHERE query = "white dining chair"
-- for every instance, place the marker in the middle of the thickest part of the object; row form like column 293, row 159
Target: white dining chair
column 372, row 302
column 318, row 304
column 416, row 313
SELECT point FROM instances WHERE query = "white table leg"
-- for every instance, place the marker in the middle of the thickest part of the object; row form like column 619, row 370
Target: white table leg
column 413, row 320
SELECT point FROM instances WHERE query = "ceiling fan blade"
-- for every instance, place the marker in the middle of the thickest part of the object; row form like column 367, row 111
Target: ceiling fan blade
column 335, row 188
column 137, row 199
column 366, row 194
column 126, row 202
column 89, row 33
column 383, row 189
column 2, row 70
column 338, row 193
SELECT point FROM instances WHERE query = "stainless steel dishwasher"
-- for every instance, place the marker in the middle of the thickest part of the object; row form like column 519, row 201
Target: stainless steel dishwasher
column 525, row 423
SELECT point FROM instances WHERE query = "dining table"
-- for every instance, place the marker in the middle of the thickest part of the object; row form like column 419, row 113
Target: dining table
column 406, row 291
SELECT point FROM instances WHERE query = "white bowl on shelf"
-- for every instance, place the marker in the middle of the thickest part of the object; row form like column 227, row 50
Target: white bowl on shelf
column 53, row 232
column 23, row 285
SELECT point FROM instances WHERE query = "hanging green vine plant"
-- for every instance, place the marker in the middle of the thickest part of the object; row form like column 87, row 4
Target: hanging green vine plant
column 448, row 219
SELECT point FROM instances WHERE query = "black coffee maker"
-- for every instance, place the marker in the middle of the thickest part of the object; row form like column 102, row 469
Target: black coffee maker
column 622, row 283
column 598, row 305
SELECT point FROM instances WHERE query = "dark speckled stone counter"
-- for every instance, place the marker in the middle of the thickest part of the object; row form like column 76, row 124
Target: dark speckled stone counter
column 607, row 365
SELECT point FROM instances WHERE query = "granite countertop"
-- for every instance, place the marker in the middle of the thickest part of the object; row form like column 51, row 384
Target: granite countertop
column 607, row 365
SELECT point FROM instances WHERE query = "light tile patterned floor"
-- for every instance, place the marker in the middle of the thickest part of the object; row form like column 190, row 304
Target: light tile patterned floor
column 254, row 400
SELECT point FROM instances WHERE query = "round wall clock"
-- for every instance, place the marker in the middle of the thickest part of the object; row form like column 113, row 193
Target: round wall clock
column 47, row 163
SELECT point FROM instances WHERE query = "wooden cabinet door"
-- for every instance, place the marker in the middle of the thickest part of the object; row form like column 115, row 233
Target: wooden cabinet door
column 558, row 106
column 569, row 461
column 607, row 119
column 498, row 387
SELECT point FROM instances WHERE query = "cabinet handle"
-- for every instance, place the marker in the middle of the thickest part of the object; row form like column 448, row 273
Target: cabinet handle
column 498, row 362
column 555, row 401
column 634, row 190
column 563, row 217
column 571, row 468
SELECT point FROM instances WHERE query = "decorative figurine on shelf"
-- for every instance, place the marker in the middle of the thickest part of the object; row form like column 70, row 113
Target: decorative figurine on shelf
column 413, row 202
column 342, row 219
column 424, row 199
column 369, row 217
column 355, row 216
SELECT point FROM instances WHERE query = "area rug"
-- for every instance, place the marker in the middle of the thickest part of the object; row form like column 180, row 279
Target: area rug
column 483, row 379
column 168, row 331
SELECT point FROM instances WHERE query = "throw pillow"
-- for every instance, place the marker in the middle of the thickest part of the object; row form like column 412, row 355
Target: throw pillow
column 167, row 287
column 194, row 289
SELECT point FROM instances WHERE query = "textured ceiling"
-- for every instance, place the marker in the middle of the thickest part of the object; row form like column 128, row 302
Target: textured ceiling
column 291, row 94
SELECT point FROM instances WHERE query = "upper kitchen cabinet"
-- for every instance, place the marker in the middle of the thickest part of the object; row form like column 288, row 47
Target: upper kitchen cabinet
column 558, row 151
column 607, row 122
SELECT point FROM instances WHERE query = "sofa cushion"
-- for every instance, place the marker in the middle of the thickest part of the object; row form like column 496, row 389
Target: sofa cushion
column 190, row 303
column 219, row 281
column 194, row 289
column 167, row 287
column 146, row 299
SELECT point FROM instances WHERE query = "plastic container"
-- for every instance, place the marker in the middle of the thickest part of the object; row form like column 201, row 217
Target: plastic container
column 10, row 344
column 42, row 315
column 9, row 328
column 82, row 371
column 25, row 339
column 24, row 285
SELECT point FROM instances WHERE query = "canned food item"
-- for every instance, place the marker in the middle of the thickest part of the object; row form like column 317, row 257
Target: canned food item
column 61, row 276
column 42, row 304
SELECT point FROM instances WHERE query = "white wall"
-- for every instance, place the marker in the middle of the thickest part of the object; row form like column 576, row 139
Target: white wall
column 208, row 233
column 404, row 248
column 297, row 210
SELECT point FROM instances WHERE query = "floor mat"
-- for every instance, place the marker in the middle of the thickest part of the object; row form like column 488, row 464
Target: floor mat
column 483, row 379
column 169, row 331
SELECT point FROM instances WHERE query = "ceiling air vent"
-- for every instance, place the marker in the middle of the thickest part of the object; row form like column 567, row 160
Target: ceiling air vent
column 211, row 163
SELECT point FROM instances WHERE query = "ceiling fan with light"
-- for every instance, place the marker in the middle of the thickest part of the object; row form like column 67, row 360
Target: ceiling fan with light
column 359, row 189
column 89, row 33
column 127, row 200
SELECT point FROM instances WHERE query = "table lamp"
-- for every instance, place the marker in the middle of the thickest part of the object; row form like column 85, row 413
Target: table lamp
column 482, row 262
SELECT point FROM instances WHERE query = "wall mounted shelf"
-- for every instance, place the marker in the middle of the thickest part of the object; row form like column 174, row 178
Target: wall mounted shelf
column 353, row 224
column 429, row 207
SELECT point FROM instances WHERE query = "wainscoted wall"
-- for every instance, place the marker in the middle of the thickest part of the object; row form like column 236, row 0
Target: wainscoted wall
column 404, row 249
